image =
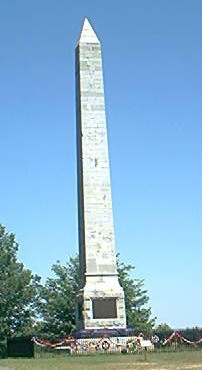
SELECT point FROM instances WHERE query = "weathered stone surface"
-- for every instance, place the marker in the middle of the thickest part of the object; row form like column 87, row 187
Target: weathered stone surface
column 96, row 227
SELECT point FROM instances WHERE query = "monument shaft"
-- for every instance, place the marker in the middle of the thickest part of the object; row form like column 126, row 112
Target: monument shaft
column 101, row 299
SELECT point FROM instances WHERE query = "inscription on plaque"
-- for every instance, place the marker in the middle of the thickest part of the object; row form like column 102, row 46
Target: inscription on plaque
column 104, row 308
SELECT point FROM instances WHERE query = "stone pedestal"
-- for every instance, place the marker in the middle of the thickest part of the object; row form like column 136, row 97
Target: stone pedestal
column 101, row 304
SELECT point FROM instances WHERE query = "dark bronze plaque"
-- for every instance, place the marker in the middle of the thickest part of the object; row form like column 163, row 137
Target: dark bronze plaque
column 104, row 308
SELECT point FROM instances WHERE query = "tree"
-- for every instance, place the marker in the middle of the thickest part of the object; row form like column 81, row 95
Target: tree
column 163, row 328
column 138, row 315
column 58, row 300
column 19, row 290
column 163, row 331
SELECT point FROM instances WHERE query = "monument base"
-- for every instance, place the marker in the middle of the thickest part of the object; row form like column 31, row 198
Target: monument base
column 101, row 304
column 101, row 333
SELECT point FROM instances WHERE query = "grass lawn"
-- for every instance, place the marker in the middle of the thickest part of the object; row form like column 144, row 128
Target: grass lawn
column 155, row 361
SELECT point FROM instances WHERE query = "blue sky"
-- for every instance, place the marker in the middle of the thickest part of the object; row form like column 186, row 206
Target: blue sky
column 152, row 55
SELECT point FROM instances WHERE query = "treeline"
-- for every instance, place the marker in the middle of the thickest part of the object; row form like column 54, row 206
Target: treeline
column 163, row 331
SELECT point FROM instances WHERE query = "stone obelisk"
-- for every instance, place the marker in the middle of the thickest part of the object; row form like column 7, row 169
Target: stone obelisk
column 100, row 301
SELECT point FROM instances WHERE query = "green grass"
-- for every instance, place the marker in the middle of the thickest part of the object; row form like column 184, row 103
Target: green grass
column 155, row 361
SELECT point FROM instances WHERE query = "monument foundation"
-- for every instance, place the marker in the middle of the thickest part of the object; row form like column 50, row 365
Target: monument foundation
column 101, row 304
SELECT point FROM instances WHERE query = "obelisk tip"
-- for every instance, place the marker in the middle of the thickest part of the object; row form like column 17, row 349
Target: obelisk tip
column 88, row 34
